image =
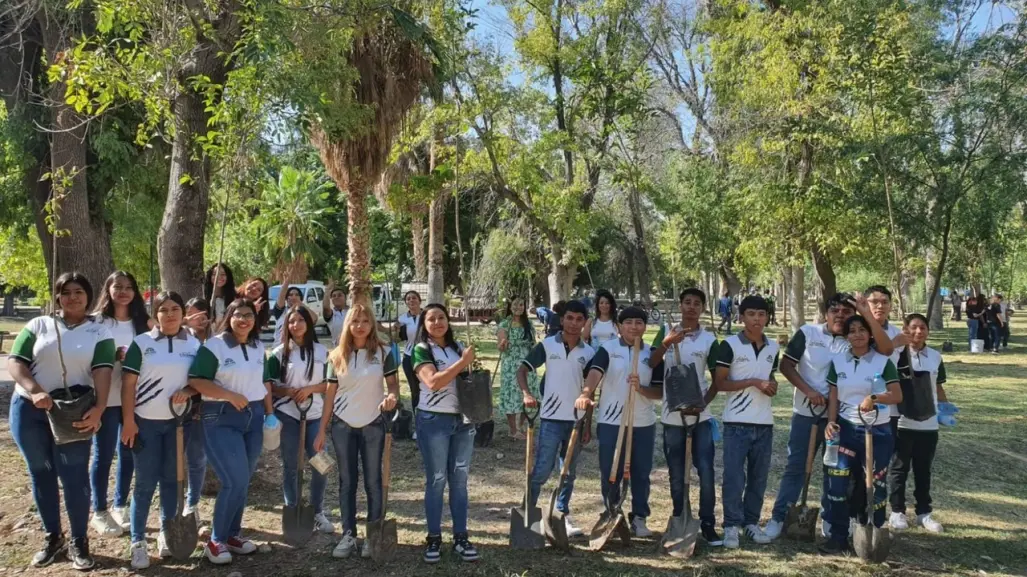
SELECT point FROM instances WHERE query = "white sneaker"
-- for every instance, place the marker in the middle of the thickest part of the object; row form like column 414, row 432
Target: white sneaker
column 929, row 524
column 162, row 546
column 322, row 524
column 123, row 517
column 365, row 549
column 140, row 556
column 731, row 537
column 572, row 531
column 639, row 528
column 773, row 529
column 413, row 436
column 345, row 547
column 756, row 535
column 105, row 525
column 898, row 521
column 825, row 528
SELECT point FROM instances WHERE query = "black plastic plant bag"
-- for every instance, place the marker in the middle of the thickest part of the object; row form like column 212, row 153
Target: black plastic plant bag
column 683, row 389
column 68, row 410
column 917, row 397
column 474, row 393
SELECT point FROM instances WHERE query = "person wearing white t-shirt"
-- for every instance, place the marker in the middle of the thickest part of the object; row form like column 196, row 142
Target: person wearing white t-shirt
column 219, row 290
column 334, row 310
column 35, row 364
column 121, row 309
column 296, row 375
column 916, row 441
column 879, row 299
column 852, row 407
column 288, row 298
column 156, row 374
column 603, row 327
column 406, row 328
column 362, row 385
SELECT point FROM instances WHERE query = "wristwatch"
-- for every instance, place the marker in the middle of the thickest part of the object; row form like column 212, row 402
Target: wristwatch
column 873, row 397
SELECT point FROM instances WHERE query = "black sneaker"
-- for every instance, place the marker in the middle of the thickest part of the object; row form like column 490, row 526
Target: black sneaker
column 709, row 534
column 833, row 547
column 54, row 546
column 464, row 548
column 433, row 549
column 79, row 553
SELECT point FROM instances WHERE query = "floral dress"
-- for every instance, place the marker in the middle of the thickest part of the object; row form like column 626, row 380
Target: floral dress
column 510, row 397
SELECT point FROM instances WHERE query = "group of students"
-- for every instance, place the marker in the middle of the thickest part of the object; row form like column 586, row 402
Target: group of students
column 988, row 322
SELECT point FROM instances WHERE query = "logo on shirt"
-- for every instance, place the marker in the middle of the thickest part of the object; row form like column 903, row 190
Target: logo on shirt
column 616, row 356
column 149, row 351
column 582, row 361
column 842, row 376
column 374, row 360
column 187, row 355
column 743, row 359
column 770, row 359
column 229, row 363
column 814, row 344
column 554, row 357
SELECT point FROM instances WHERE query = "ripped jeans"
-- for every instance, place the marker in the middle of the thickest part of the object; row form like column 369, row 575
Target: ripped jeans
column 446, row 444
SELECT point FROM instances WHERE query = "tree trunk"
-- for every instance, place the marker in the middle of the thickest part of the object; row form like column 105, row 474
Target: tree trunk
column 417, row 236
column 728, row 278
column 933, row 300
column 827, row 283
column 9, row 309
column 436, row 244
column 561, row 275
column 935, row 321
column 905, row 291
column 798, row 297
column 786, row 283
column 641, row 257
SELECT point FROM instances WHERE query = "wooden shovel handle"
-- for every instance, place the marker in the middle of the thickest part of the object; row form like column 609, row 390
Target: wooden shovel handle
column 619, row 446
column 569, row 455
column 527, row 476
column 386, row 471
column 636, row 352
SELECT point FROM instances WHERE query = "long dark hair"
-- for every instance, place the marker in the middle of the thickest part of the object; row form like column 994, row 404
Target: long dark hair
column 208, row 285
column 422, row 332
column 74, row 278
column 136, row 308
column 605, row 294
column 225, row 326
column 529, row 331
column 306, row 347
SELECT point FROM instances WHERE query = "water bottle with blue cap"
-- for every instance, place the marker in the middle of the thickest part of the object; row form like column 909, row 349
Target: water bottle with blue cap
column 879, row 387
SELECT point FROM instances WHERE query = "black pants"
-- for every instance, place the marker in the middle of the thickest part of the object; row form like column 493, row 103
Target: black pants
column 1005, row 334
column 415, row 385
column 913, row 449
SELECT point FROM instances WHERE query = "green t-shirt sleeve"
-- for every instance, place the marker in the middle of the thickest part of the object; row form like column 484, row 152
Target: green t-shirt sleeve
column 657, row 378
column 777, row 363
column 725, row 355
column 391, row 367
column 832, row 375
column 600, row 361
column 272, row 368
column 23, row 345
column 711, row 357
column 421, row 356
column 796, row 347
column 890, row 374
column 330, row 375
column 536, row 357
column 205, row 365
column 942, row 379
column 133, row 362
column 104, row 354
column 658, row 339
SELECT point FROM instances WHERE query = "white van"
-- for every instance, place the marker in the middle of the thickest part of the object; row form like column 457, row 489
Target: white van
column 313, row 295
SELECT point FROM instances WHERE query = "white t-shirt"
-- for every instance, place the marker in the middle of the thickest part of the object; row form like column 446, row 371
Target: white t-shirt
column 162, row 363
column 812, row 347
column 928, row 360
column 410, row 322
column 443, row 400
column 603, row 332
column 335, row 323
column 854, row 378
column 233, row 366
column 86, row 346
column 747, row 360
column 893, row 331
column 614, row 360
column 296, row 377
column 124, row 333
column 565, row 375
column 699, row 349
column 361, row 389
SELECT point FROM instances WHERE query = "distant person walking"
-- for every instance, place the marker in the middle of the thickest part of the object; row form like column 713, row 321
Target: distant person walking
column 957, row 306
column 724, row 306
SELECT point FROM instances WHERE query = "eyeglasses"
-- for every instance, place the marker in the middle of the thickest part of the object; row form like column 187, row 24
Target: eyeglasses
column 243, row 316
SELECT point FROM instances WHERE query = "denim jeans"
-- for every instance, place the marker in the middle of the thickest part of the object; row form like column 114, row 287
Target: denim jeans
column 234, row 440
column 196, row 461
column 971, row 326
column 996, row 336
column 47, row 462
column 412, row 381
column 795, row 469
column 642, row 447
column 851, row 459
column 446, row 445
column 747, row 450
column 365, row 445
column 156, row 448
column 550, row 450
column 290, row 451
column 702, row 460
column 107, row 442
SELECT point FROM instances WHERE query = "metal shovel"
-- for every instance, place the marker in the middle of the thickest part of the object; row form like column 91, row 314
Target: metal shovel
column 381, row 533
column 180, row 531
column 555, row 522
column 526, row 522
column 683, row 531
column 801, row 522
column 298, row 520
column 872, row 544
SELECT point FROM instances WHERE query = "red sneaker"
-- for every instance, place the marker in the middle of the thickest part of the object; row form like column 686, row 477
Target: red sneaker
column 241, row 546
column 217, row 553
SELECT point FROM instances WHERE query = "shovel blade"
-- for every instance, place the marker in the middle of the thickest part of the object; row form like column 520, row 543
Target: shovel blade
column 801, row 523
column 681, row 536
column 530, row 537
column 181, row 536
column 556, row 530
column 872, row 544
column 382, row 539
column 610, row 523
column 297, row 524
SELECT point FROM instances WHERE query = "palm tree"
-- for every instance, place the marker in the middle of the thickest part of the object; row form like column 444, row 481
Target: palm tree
column 292, row 215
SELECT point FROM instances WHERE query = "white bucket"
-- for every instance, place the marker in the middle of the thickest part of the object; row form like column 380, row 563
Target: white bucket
column 977, row 346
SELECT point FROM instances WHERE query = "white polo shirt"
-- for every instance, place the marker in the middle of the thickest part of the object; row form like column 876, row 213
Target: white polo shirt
column 86, row 346
column 361, row 389
column 335, row 323
column 124, row 333
column 893, row 331
column 613, row 359
column 747, row 360
column 233, row 366
column 929, row 360
column 410, row 322
column 162, row 364
column 854, row 378
column 296, row 377
column 699, row 348
column 812, row 347
column 565, row 374
column 443, row 400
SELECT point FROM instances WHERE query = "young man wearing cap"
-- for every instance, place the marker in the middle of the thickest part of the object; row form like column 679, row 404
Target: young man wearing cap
column 746, row 363
column 566, row 359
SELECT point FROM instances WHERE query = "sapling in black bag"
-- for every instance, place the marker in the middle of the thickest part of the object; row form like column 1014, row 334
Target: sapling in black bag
column 917, row 394
column 682, row 387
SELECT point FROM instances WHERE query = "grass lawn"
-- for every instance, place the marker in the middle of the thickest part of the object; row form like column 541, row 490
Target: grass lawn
column 980, row 495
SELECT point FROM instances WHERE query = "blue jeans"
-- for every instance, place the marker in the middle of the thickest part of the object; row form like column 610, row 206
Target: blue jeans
column 156, row 448
column 289, row 448
column 196, row 461
column 365, row 445
column 107, row 442
column 851, row 465
column 234, row 441
column 446, row 445
column 702, row 460
column 747, row 450
column 47, row 462
column 996, row 336
column 642, row 446
column 971, row 326
column 795, row 469
column 550, row 450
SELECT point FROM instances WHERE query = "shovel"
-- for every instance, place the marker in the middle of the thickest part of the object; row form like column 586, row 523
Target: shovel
column 871, row 543
column 526, row 522
column 683, row 530
column 612, row 519
column 298, row 520
column 180, row 531
column 556, row 520
column 381, row 534
column 801, row 523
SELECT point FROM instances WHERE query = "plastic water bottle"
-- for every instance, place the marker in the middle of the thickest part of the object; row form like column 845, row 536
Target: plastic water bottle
column 715, row 429
column 879, row 388
column 831, row 452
